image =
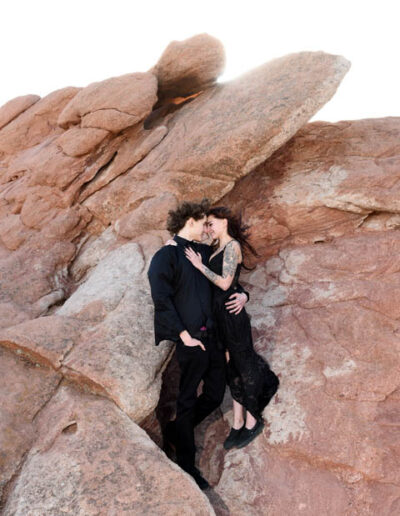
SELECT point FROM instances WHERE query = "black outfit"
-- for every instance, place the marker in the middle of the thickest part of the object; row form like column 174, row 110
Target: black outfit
column 182, row 298
column 250, row 379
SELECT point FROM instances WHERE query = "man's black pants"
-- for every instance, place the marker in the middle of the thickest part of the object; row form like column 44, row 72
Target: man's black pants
column 196, row 365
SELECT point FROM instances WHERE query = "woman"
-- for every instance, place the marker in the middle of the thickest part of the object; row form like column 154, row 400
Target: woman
column 251, row 381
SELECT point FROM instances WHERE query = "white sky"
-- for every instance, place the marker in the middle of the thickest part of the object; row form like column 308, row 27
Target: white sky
column 47, row 45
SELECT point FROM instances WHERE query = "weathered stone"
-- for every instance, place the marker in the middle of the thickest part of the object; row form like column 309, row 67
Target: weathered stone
column 189, row 66
column 117, row 357
column 25, row 387
column 15, row 107
column 46, row 340
column 231, row 128
column 81, row 140
column 329, row 180
column 90, row 458
column 112, row 104
column 36, row 123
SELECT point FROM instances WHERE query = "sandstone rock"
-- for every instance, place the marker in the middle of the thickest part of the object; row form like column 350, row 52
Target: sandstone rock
column 11, row 315
column 322, row 201
column 90, row 458
column 136, row 144
column 77, row 141
column 46, row 340
column 13, row 233
column 189, row 66
column 213, row 141
column 329, row 180
column 325, row 316
column 15, row 107
column 151, row 213
column 117, row 357
column 231, row 128
column 30, row 273
column 112, row 104
column 36, row 123
column 25, row 387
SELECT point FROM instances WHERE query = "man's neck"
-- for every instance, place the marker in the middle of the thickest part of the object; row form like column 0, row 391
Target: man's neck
column 183, row 233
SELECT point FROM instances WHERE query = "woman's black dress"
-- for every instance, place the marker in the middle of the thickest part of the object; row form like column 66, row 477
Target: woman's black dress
column 250, row 379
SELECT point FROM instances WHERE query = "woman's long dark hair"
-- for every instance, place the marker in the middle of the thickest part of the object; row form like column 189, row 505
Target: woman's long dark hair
column 236, row 229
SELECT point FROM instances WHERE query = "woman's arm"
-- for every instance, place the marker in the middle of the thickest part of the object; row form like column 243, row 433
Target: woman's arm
column 232, row 256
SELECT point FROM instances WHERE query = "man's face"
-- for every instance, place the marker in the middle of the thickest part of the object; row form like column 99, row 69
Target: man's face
column 199, row 228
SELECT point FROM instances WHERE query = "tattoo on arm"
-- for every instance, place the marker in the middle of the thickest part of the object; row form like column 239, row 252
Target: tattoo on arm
column 210, row 274
column 232, row 255
column 231, row 259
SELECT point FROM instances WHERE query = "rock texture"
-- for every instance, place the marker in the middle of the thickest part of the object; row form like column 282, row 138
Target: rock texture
column 325, row 314
column 88, row 448
column 87, row 176
column 189, row 66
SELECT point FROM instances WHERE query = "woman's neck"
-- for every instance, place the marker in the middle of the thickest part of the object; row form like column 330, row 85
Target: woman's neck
column 224, row 239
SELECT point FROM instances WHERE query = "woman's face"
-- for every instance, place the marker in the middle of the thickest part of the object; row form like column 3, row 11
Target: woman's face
column 216, row 227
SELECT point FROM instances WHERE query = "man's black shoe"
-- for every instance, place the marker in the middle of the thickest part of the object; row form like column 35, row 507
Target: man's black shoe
column 198, row 478
column 232, row 439
column 247, row 435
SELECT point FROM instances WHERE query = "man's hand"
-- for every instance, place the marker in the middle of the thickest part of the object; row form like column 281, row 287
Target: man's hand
column 190, row 341
column 236, row 303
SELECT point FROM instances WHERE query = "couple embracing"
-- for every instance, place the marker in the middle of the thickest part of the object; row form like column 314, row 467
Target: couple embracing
column 199, row 304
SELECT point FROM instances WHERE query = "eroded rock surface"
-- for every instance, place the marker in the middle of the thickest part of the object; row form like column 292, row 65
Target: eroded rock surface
column 87, row 176
column 90, row 458
column 325, row 315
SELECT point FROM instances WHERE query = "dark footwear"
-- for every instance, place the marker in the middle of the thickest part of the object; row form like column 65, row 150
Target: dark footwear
column 232, row 438
column 198, row 478
column 247, row 435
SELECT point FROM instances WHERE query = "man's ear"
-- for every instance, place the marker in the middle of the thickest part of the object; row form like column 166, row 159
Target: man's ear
column 190, row 221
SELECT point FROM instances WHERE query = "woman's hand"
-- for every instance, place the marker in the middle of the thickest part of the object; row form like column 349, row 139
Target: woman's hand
column 193, row 257
column 236, row 303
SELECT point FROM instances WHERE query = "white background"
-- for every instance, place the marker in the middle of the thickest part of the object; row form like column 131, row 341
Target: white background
column 47, row 45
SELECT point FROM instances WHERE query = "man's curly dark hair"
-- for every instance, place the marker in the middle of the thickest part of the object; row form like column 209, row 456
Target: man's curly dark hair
column 177, row 218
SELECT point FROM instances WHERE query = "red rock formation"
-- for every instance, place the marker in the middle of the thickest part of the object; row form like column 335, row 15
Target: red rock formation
column 325, row 313
column 87, row 176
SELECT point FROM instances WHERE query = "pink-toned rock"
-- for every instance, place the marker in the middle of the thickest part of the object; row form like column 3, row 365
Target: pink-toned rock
column 135, row 145
column 36, row 123
column 322, row 201
column 90, row 458
column 117, row 357
column 13, row 233
column 15, row 107
column 151, row 213
column 324, row 312
column 25, row 387
column 81, row 140
column 11, row 315
column 232, row 127
column 329, row 180
column 32, row 273
column 45, row 340
column 212, row 141
column 189, row 66
column 321, row 319
column 112, row 104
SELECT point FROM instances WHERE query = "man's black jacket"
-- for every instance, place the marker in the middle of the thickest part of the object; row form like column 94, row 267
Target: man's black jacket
column 182, row 295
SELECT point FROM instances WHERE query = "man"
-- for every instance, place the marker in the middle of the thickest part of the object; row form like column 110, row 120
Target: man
column 182, row 299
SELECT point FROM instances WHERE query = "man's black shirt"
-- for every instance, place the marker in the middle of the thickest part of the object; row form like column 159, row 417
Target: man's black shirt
column 182, row 295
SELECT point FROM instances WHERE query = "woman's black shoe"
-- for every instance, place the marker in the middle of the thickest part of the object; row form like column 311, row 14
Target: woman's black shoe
column 232, row 438
column 247, row 435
